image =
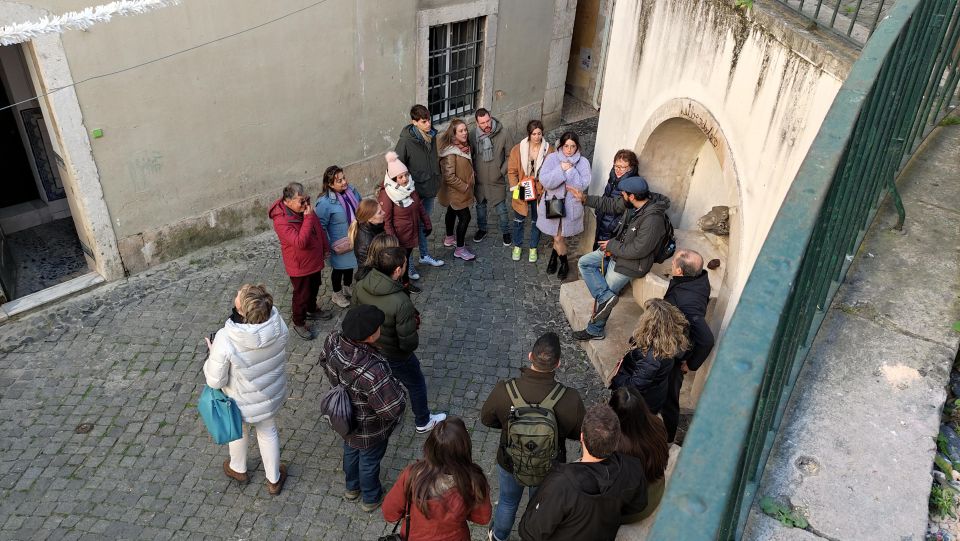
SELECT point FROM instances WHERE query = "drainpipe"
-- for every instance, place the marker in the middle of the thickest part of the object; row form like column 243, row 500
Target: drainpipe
column 601, row 66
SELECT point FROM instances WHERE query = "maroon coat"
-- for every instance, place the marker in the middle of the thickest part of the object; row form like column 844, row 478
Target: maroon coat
column 302, row 241
column 404, row 223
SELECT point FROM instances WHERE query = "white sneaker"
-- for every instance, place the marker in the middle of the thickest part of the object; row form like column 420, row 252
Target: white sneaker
column 412, row 273
column 427, row 260
column 434, row 419
column 348, row 291
column 340, row 299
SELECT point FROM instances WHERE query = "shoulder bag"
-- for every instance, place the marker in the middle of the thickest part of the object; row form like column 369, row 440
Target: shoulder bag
column 555, row 208
column 221, row 415
column 395, row 534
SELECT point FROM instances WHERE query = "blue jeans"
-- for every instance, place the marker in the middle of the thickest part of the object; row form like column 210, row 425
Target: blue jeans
column 602, row 285
column 427, row 203
column 408, row 372
column 501, row 210
column 519, row 220
column 509, row 501
column 362, row 470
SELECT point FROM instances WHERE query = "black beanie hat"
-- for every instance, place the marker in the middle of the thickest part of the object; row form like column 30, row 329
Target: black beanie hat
column 361, row 322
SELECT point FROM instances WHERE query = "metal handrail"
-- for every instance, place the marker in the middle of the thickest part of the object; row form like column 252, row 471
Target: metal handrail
column 854, row 23
column 898, row 90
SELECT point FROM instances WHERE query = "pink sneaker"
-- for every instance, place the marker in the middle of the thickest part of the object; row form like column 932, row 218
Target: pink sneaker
column 464, row 253
column 450, row 240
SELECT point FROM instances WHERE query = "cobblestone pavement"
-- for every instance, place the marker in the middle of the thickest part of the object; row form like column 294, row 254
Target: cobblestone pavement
column 127, row 357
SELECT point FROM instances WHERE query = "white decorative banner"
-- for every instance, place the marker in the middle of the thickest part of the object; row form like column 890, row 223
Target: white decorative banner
column 77, row 20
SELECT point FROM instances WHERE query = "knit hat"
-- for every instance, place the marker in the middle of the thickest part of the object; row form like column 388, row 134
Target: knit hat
column 394, row 165
column 635, row 185
column 361, row 322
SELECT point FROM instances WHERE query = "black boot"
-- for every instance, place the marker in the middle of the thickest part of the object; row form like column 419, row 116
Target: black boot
column 552, row 264
column 564, row 268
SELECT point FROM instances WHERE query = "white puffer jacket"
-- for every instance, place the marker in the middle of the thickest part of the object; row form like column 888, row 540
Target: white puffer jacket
column 249, row 362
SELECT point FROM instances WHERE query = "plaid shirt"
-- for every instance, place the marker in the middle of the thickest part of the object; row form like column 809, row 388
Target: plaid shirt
column 376, row 396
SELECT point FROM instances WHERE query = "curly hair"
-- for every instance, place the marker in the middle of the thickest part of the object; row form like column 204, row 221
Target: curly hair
column 662, row 328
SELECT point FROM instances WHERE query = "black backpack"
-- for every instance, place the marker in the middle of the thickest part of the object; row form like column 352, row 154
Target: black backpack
column 668, row 243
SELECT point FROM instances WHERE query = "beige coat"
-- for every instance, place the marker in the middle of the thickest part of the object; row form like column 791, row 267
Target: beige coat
column 456, row 190
column 518, row 167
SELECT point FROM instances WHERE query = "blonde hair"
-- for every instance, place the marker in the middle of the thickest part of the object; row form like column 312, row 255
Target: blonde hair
column 378, row 244
column 256, row 304
column 662, row 328
column 365, row 210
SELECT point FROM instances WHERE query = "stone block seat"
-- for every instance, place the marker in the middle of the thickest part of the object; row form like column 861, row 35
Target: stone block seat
column 577, row 303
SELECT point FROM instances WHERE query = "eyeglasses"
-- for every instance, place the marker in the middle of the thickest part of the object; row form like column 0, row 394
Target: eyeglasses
column 621, row 167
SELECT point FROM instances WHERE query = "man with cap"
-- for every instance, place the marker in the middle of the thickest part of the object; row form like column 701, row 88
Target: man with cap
column 350, row 358
column 628, row 254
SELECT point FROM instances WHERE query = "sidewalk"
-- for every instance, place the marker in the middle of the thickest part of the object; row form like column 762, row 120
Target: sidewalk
column 855, row 448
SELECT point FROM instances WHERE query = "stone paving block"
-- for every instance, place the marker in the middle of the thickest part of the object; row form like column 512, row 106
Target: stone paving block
column 127, row 357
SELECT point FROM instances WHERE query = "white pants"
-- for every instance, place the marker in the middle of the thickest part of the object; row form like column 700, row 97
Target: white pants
column 268, row 441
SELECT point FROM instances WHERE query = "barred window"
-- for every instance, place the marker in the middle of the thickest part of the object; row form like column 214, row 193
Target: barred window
column 456, row 60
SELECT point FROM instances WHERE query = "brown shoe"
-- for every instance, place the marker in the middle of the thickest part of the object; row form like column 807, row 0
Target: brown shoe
column 275, row 488
column 236, row 476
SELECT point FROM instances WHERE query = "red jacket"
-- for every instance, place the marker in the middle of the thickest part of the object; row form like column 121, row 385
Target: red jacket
column 302, row 241
column 404, row 223
column 448, row 515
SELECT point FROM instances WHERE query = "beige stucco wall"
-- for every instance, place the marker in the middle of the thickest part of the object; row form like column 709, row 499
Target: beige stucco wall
column 684, row 80
column 196, row 145
column 761, row 89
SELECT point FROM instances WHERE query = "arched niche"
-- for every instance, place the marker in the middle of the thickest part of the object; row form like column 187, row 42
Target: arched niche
column 685, row 155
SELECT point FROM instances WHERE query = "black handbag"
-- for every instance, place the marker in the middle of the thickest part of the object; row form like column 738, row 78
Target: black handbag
column 555, row 208
column 395, row 535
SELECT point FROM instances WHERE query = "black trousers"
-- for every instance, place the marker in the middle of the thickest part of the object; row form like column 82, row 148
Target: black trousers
column 341, row 275
column 671, row 408
column 460, row 218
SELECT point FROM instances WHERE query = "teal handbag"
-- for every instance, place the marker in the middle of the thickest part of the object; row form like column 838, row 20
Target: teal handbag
column 221, row 415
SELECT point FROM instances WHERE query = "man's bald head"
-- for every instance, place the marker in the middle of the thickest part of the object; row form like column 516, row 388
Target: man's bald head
column 688, row 263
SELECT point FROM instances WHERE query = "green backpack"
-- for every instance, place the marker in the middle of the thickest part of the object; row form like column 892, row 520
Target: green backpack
column 532, row 435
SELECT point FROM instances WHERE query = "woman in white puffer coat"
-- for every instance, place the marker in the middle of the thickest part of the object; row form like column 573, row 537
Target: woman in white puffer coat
column 248, row 361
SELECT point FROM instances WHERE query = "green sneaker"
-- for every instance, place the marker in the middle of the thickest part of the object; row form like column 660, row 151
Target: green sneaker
column 533, row 255
column 516, row 253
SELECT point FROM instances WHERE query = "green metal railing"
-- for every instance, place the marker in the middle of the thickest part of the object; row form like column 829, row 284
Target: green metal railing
column 853, row 20
column 898, row 90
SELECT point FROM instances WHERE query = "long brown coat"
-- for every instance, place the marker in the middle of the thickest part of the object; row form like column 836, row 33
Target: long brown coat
column 516, row 170
column 456, row 190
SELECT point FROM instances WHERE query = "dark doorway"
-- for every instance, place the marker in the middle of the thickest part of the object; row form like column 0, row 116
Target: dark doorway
column 18, row 183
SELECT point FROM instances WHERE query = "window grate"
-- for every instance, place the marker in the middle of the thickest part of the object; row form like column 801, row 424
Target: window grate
column 455, row 63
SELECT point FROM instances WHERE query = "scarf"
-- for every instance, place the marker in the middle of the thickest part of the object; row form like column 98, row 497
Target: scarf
column 397, row 193
column 484, row 142
column 427, row 136
column 349, row 203
column 465, row 148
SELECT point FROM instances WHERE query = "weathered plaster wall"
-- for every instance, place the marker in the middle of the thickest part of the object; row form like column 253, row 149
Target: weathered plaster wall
column 205, row 139
column 754, row 85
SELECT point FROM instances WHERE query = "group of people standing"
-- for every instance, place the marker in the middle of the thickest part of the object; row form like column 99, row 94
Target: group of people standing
column 372, row 355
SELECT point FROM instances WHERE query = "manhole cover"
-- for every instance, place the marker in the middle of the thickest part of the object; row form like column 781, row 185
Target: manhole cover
column 83, row 428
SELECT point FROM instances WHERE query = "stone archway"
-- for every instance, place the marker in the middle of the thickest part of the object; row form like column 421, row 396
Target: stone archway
column 685, row 155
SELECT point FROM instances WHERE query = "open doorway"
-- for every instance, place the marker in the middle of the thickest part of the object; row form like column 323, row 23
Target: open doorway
column 39, row 246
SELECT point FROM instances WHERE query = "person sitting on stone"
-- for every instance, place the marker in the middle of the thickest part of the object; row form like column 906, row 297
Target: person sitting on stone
column 689, row 290
column 629, row 254
column 590, row 498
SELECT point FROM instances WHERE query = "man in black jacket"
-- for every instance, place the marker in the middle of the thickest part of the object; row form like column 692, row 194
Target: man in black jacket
column 629, row 254
column 689, row 290
column 534, row 384
column 417, row 148
column 588, row 499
